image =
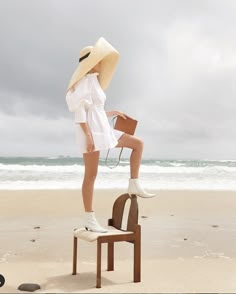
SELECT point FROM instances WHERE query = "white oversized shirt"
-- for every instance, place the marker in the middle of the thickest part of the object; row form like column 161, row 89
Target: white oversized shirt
column 87, row 102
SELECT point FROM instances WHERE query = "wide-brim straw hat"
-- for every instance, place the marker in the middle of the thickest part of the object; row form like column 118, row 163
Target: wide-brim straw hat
column 102, row 52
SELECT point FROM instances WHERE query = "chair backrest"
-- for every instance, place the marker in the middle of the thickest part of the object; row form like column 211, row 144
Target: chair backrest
column 118, row 212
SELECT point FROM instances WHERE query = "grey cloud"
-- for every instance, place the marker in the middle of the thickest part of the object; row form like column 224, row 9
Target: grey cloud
column 175, row 74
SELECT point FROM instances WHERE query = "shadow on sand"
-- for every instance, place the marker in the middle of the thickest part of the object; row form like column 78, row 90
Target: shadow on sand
column 73, row 283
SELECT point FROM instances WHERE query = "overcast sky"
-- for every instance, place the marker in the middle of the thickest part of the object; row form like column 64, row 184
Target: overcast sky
column 176, row 73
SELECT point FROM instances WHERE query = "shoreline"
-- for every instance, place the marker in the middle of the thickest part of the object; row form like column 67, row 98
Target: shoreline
column 120, row 189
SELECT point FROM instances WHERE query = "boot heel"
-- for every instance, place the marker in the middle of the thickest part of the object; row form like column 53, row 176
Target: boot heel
column 136, row 189
column 132, row 194
column 91, row 224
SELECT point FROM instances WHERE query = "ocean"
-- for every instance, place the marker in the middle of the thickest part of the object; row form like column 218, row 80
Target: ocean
column 22, row 173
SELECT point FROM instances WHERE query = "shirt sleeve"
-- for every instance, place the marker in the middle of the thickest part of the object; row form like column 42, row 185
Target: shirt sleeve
column 81, row 114
column 80, row 100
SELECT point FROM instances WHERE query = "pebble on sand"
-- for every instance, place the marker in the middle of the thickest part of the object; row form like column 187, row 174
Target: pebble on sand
column 30, row 287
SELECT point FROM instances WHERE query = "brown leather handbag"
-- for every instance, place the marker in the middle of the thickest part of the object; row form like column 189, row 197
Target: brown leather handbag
column 127, row 126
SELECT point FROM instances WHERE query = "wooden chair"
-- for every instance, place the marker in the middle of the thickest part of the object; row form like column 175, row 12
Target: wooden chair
column 115, row 233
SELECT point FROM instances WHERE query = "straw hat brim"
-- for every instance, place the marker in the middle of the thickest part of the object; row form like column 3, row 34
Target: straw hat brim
column 104, row 52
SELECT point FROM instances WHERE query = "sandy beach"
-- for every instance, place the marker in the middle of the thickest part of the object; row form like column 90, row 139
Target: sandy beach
column 188, row 243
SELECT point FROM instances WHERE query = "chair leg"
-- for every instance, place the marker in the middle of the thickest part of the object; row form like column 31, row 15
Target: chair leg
column 137, row 259
column 110, row 256
column 74, row 256
column 99, row 257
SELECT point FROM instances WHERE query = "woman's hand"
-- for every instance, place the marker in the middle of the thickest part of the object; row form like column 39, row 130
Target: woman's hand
column 122, row 114
column 89, row 143
column 117, row 113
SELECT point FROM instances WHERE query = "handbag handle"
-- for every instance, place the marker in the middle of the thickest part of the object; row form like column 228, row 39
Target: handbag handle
column 118, row 159
column 109, row 151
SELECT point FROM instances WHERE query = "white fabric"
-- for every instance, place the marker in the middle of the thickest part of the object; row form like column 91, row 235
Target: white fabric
column 87, row 102
column 92, row 236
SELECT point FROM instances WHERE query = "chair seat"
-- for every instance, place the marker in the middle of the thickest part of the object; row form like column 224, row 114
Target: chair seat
column 90, row 236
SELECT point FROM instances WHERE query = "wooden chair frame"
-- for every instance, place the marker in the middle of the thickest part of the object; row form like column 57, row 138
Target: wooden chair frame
column 133, row 238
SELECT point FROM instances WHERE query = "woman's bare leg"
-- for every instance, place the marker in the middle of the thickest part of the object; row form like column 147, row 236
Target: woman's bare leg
column 91, row 160
column 136, row 144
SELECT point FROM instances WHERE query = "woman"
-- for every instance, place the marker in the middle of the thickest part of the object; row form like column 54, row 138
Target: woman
column 85, row 97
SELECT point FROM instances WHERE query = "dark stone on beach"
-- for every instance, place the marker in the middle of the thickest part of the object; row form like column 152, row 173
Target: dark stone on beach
column 30, row 287
column 185, row 239
column 36, row 227
column 33, row 240
column 144, row 216
column 215, row 226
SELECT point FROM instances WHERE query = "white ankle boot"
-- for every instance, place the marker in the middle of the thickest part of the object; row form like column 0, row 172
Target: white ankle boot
column 90, row 223
column 135, row 188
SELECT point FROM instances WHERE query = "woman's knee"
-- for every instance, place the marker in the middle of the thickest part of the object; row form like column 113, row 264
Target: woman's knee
column 91, row 166
column 90, row 177
column 91, row 173
column 139, row 144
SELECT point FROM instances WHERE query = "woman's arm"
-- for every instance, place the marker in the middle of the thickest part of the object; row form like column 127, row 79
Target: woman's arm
column 115, row 112
column 111, row 113
column 85, row 128
column 89, row 138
